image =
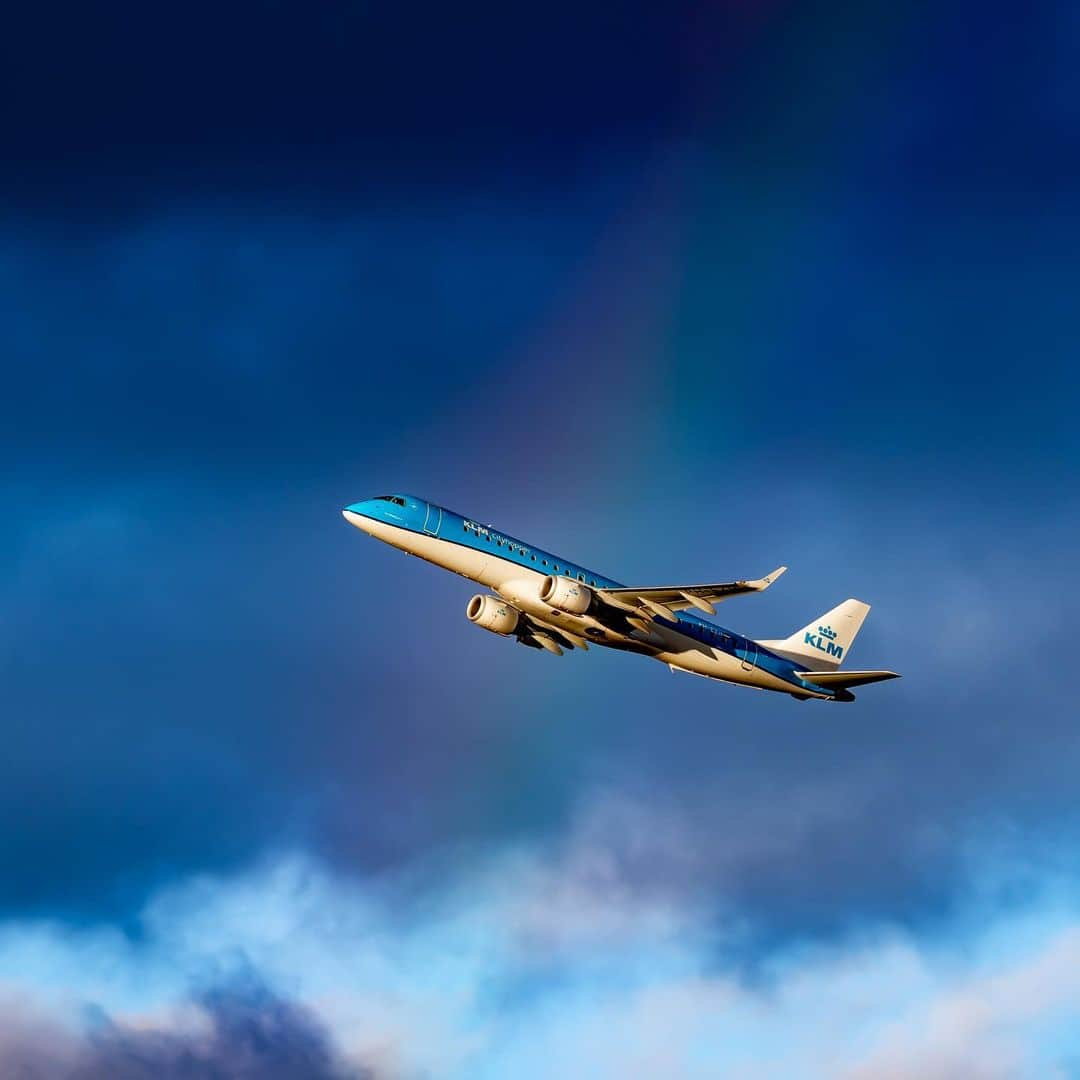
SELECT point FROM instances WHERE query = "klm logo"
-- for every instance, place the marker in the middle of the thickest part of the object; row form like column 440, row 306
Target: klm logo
column 825, row 640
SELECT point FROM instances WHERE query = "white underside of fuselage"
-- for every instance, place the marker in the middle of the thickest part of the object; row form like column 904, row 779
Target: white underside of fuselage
column 521, row 587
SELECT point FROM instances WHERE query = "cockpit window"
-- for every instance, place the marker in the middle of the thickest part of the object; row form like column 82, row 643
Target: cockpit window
column 397, row 500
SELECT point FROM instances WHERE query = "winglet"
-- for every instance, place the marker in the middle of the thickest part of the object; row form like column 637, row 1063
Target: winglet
column 765, row 582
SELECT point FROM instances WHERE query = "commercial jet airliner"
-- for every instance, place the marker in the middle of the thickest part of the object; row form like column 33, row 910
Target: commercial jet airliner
column 547, row 602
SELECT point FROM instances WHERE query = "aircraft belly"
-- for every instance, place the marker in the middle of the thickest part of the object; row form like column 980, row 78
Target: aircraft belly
column 455, row 557
column 707, row 662
column 689, row 655
column 463, row 560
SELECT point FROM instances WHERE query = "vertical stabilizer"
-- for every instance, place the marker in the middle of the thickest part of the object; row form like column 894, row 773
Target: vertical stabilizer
column 827, row 639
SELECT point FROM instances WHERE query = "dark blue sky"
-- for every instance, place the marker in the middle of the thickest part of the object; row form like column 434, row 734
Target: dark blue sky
column 682, row 293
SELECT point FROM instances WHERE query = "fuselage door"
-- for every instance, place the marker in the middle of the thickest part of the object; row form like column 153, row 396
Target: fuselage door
column 433, row 519
column 749, row 656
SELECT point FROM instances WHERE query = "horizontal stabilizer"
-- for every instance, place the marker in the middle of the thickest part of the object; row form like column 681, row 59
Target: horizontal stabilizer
column 841, row 680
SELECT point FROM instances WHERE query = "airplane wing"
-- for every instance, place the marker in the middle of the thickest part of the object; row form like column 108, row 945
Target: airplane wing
column 663, row 600
column 538, row 634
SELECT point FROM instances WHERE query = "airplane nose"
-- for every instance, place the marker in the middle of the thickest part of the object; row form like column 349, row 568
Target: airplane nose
column 353, row 518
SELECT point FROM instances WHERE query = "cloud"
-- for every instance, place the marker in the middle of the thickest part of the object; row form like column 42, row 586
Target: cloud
column 539, row 960
column 235, row 1029
column 989, row 1024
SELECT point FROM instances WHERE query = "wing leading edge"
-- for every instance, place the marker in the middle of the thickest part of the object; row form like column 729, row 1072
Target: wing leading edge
column 663, row 600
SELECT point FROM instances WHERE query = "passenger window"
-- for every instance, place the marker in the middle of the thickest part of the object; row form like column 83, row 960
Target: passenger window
column 543, row 562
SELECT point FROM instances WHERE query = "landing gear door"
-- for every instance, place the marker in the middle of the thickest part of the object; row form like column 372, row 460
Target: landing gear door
column 433, row 520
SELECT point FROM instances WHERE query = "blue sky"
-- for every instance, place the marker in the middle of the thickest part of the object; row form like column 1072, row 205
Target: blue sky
column 684, row 296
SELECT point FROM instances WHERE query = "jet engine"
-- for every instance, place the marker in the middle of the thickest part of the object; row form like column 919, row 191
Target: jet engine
column 566, row 594
column 492, row 614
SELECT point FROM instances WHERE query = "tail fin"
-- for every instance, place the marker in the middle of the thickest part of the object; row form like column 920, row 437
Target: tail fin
column 827, row 639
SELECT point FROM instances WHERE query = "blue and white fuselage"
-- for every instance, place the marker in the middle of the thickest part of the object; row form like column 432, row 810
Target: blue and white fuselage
column 546, row 601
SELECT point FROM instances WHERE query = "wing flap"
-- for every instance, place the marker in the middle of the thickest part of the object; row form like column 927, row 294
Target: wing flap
column 538, row 628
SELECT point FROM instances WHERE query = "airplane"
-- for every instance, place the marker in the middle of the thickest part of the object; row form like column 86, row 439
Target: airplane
column 545, row 601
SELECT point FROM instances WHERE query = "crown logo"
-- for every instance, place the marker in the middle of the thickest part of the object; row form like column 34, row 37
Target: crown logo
column 827, row 632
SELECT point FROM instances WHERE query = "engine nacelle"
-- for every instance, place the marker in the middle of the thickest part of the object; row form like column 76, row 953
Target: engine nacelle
column 492, row 614
column 566, row 594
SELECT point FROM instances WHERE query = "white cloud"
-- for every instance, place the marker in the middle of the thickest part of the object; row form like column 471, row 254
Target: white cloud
column 565, row 961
